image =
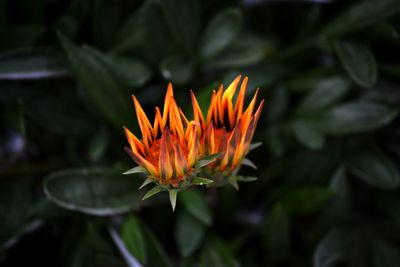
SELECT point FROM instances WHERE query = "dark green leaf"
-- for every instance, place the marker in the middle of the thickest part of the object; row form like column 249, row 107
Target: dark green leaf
column 276, row 234
column 384, row 253
column 237, row 55
column 358, row 61
column 361, row 15
column 32, row 64
column 156, row 255
column 98, row 192
column 177, row 70
column 194, row 203
column 306, row 200
column 325, row 92
column 152, row 192
column 134, row 72
column 220, row 32
column 201, row 181
column 137, row 169
column 374, row 168
column 216, row 254
column 99, row 80
column 308, row 135
column 189, row 234
column 356, row 117
column 331, row 249
column 204, row 161
column 133, row 238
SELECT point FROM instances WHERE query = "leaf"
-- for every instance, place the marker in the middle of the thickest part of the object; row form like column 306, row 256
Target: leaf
column 137, row 169
column 90, row 248
column 306, row 200
column 249, row 163
column 177, row 70
column 217, row 254
column 152, row 192
column 134, row 72
column 276, row 234
column 146, row 182
column 98, row 77
column 232, row 180
column 341, row 202
column 220, row 32
column 331, row 249
column 325, row 92
column 237, row 55
column 254, row 146
column 246, row 179
column 308, row 135
column 134, row 239
column 204, row 161
column 384, row 254
column 355, row 117
column 17, row 198
column 360, row 16
column 195, row 204
column 66, row 117
column 158, row 29
column 98, row 145
column 374, row 168
column 189, row 234
column 201, row 181
column 358, row 61
column 32, row 64
column 172, row 198
column 95, row 191
column 156, row 255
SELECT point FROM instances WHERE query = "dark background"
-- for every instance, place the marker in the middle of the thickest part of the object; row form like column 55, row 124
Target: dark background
column 328, row 170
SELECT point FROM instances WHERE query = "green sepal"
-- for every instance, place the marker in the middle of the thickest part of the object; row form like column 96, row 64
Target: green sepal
column 137, row 169
column 249, row 163
column 233, row 181
column 146, row 182
column 204, row 161
column 172, row 197
column 201, row 181
column 246, row 178
column 254, row 146
column 152, row 192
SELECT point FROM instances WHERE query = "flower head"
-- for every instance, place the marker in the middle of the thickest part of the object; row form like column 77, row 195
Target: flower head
column 228, row 127
column 168, row 149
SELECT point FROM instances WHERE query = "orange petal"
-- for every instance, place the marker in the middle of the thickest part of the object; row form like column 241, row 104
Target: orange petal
column 212, row 108
column 168, row 96
column 175, row 120
column 157, row 122
column 194, row 147
column 198, row 114
column 135, row 144
column 249, row 111
column 181, row 166
column 227, row 100
column 164, row 162
column 142, row 162
column 144, row 124
column 240, row 100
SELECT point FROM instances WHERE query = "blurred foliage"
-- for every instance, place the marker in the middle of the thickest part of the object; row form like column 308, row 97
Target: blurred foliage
column 328, row 170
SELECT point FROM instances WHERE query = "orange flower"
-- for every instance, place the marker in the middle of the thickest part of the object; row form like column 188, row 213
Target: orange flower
column 228, row 128
column 168, row 149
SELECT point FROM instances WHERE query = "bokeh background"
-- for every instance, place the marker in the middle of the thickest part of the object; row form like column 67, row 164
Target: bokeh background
column 328, row 170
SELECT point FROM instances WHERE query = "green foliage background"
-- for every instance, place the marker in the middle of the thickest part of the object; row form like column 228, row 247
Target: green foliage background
column 327, row 193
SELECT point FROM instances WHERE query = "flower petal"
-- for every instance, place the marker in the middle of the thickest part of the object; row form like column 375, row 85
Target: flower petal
column 142, row 162
column 164, row 163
